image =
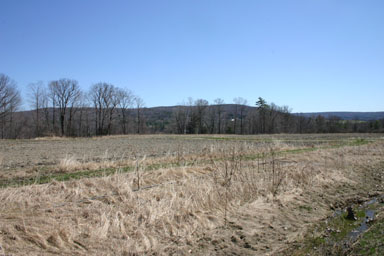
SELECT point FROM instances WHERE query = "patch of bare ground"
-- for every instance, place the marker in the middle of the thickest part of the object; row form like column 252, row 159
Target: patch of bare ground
column 226, row 205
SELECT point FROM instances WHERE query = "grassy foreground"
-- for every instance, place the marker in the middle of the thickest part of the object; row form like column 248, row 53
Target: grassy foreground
column 233, row 197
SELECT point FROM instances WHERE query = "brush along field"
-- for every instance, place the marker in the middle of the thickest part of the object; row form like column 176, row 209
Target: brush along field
column 180, row 195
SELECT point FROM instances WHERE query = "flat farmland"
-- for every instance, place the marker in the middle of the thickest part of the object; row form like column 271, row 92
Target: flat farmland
column 18, row 155
column 26, row 160
column 180, row 195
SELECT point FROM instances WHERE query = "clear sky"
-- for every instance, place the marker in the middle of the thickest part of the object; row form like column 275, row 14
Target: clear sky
column 312, row 55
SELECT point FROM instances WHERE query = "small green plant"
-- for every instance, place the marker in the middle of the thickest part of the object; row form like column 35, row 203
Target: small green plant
column 306, row 208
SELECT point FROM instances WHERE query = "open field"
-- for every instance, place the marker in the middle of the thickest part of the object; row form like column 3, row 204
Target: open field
column 182, row 195
column 44, row 156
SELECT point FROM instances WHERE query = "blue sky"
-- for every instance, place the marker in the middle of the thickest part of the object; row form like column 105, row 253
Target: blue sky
column 312, row 55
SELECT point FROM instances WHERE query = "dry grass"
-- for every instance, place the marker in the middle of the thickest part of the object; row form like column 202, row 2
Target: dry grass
column 72, row 164
column 178, row 207
column 181, row 156
column 52, row 138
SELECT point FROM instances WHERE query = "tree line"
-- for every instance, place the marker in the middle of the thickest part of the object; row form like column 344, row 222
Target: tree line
column 61, row 108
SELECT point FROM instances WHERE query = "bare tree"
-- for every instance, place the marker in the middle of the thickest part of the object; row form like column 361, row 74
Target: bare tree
column 211, row 119
column 235, row 113
column 9, row 95
column 105, row 99
column 96, row 95
column 52, row 98
column 200, row 107
column 82, row 117
column 9, row 101
column 181, row 117
column 74, row 107
column 139, row 102
column 219, row 109
column 64, row 93
column 273, row 113
column 189, row 110
column 115, row 100
column 240, row 105
column 86, row 113
column 126, row 101
column 38, row 100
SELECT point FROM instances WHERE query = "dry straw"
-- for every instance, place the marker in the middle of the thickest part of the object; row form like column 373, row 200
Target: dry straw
column 169, row 210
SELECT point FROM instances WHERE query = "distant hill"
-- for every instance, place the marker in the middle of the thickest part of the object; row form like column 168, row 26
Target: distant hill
column 179, row 119
column 166, row 112
column 361, row 116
